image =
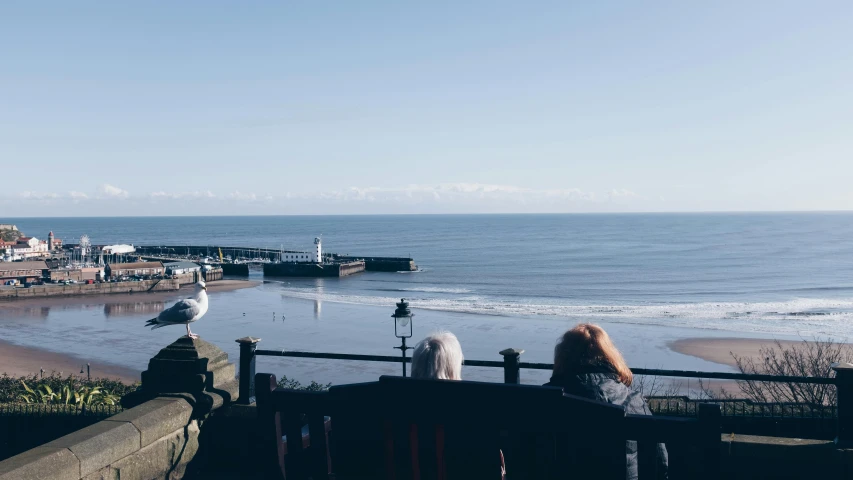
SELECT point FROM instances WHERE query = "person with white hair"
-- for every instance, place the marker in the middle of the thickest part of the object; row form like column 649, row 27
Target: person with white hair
column 438, row 356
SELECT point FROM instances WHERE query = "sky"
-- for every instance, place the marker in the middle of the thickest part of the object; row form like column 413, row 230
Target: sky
column 223, row 108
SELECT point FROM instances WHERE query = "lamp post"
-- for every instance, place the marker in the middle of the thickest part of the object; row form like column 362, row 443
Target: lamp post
column 403, row 327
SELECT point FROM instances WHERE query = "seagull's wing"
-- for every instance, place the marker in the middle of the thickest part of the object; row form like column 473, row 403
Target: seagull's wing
column 180, row 313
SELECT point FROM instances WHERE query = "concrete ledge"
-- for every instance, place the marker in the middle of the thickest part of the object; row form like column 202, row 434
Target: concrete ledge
column 98, row 445
column 156, row 418
column 759, row 457
column 167, row 457
column 41, row 463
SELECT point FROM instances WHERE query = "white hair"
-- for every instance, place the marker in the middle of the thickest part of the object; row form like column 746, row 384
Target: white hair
column 438, row 356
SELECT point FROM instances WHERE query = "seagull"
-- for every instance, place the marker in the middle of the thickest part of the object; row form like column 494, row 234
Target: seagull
column 184, row 312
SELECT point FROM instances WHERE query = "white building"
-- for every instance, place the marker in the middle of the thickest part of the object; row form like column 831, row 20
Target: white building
column 315, row 256
column 178, row 268
column 28, row 247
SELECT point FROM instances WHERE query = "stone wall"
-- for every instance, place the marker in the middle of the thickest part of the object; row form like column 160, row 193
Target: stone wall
column 76, row 289
column 157, row 439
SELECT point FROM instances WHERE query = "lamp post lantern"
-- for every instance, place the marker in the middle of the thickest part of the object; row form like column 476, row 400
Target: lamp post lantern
column 403, row 327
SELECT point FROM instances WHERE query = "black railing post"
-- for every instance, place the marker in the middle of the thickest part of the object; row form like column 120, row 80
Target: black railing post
column 844, row 386
column 512, row 359
column 247, row 369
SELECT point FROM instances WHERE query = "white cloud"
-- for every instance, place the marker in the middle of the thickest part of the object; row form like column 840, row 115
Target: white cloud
column 460, row 197
column 111, row 191
column 178, row 195
column 30, row 195
column 237, row 195
column 621, row 193
column 449, row 192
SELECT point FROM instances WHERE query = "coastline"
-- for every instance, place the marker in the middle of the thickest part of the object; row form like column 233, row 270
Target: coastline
column 17, row 360
column 213, row 287
column 720, row 350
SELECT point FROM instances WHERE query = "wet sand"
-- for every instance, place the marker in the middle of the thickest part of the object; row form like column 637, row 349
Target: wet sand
column 719, row 350
column 16, row 360
column 185, row 291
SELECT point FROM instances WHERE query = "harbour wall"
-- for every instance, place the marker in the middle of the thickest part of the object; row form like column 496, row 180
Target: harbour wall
column 10, row 293
column 235, row 269
column 371, row 264
column 342, row 269
column 383, row 264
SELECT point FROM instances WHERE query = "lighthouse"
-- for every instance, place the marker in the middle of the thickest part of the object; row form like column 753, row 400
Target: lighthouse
column 50, row 241
column 318, row 250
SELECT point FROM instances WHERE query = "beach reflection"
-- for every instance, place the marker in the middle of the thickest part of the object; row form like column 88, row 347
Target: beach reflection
column 130, row 309
column 318, row 309
column 26, row 312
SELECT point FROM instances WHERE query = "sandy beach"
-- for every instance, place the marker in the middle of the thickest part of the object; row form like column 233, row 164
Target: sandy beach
column 23, row 360
column 720, row 350
column 16, row 360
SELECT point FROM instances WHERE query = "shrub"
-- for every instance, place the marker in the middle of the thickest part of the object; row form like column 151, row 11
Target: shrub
column 55, row 389
column 285, row 382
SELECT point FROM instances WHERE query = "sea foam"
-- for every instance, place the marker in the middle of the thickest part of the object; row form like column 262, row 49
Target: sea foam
column 803, row 316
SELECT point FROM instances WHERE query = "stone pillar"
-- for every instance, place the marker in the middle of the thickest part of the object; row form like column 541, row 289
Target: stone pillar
column 192, row 369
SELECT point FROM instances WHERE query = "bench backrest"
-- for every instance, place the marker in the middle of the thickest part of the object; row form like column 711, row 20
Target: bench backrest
column 403, row 428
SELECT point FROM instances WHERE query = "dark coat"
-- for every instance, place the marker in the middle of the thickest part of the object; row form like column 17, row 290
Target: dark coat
column 598, row 383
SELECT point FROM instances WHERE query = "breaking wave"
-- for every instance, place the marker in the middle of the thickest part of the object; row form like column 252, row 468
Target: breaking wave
column 427, row 290
column 799, row 316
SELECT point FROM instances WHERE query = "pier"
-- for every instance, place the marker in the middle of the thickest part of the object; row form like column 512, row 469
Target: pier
column 238, row 260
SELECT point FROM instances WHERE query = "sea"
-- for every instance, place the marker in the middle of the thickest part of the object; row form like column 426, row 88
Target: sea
column 496, row 281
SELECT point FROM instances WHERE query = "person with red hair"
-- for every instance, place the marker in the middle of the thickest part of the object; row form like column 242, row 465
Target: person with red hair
column 588, row 364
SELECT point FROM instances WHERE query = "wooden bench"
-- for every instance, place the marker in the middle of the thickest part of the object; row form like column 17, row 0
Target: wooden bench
column 402, row 428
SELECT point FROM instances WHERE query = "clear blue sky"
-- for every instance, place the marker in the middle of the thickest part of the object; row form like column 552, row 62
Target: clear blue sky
column 221, row 107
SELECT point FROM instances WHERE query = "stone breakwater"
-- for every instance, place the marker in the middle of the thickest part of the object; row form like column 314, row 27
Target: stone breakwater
column 12, row 293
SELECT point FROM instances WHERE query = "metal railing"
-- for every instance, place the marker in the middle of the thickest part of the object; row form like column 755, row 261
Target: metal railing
column 842, row 413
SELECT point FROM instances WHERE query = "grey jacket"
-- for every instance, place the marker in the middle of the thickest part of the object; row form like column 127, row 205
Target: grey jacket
column 597, row 383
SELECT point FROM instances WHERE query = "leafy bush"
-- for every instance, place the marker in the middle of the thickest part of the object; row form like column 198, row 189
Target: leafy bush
column 55, row 389
column 285, row 382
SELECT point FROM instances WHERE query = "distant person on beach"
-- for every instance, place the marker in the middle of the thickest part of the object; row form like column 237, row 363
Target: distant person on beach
column 587, row 364
column 439, row 357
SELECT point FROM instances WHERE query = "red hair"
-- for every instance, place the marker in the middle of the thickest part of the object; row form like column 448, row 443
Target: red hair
column 589, row 345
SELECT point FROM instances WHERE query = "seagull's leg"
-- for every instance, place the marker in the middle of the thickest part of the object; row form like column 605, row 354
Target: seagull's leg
column 191, row 334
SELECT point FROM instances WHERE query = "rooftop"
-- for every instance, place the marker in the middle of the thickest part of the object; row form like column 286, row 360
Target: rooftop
column 14, row 266
column 182, row 264
column 133, row 265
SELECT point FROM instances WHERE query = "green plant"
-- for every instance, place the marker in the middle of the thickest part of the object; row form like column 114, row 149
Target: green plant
column 53, row 389
column 285, row 382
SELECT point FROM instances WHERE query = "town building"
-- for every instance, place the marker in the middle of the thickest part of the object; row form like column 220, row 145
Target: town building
column 315, row 256
column 65, row 274
column 114, row 270
column 28, row 247
column 178, row 268
column 22, row 271
column 53, row 243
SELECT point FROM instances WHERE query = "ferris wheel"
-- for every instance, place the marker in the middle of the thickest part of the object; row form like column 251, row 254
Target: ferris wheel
column 85, row 245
